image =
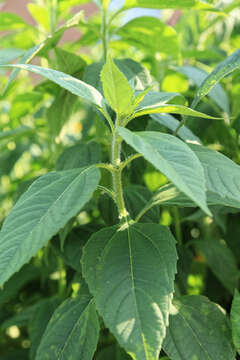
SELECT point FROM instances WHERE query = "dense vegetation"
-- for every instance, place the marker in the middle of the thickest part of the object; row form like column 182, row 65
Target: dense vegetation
column 120, row 183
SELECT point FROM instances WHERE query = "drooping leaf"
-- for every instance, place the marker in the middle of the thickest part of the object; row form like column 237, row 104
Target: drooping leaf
column 235, row 320
column 150, row 35
column 72, row 332
column 75, row 86
column 131, row 272
column 116, row 88
column 198, row 329
column 226, row 67
column 171, row 123
column 221, row 261
column 80, row 155
column 198, row 76
column 222, row 174
column 168, row 4
column 171, row 156
column 48, row 204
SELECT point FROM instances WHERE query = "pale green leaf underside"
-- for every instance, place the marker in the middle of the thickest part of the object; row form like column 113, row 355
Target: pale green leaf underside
column 168, row 108
column 49, row 203
column 75, row 86
column 222, row 174
column 199, row 330
column 116, row 88
column 131, row 274
column 172, row 157
column 72, row 332
column 235, row 320
column 226, row 67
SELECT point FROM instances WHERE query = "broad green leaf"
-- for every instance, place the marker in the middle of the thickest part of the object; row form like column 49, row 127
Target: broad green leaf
column 172, row 157
column 21, row 318
column 80, row 155
column 75, row 86
column 25, row 104
column 168, row 4
column 72, row 332
column 226, row 67
column 169, row 108
column 138, row 76
column 235, row 320
column 16, row 133
column 131, row 272
column 47, row 44
column 198, row 76
column 116, row 88
column 221, row 261
column 68, row 62
column 11, row 22
column 48, row 204
column 39, row 320
column 171, row 123
column 156, row 36
column 7, row 55
column 222, row 174
column 112, row 352
column 198, row 330
column 40, row 14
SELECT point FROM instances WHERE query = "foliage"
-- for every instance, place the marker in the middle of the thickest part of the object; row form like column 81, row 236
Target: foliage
column 120, row 182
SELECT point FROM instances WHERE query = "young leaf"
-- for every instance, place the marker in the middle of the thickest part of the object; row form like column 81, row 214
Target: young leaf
column 222, row 174
column 116, row 88
column 198, row 329
column 226, row 67
column 75, row 86
column 172, row 157
column 131, row 273
column 235, row 320
column 72, row 332
column 221, row 261
column 48, row 204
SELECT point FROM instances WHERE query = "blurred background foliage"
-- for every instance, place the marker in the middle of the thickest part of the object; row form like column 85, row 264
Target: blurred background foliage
column 44, row 128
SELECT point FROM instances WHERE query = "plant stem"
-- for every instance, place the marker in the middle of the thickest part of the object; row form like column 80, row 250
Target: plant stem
column 177, row 224
column 117, row 175
column 104, row 33
column 129, row 160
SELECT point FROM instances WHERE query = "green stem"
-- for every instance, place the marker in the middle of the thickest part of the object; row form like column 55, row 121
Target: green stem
column 177, row 224
column 117, row 175
column 129, row 160
column 104, row 33
column 53, row 9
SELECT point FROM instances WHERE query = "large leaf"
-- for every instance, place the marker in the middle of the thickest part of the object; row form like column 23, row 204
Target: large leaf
column 198, row 76
column 171, row 123
column 131, row 271
column 235, row 320
column 221, row 261
column 172, row 157
column 75, row 86
column 223, row 69
column 168, row 4
column 48, row 204
column 116, row 88
column 72, row 332
column 11, row 22
column 198, row 329
column 7, row 55
column 222, row 174
column 156, row 36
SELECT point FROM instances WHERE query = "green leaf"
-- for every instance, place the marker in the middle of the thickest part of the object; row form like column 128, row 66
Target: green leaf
column 226, row 67
column 72, row 332
column 198, row 329
column 7, row 55
column 42, row 314
column 168, row 4
column 11, row 22
column 156, row 36
column 220, row 260
column 222, row 175
column 16, row 133
column 25, row 104
column 154, row 98
column 168, row 108
column 75, row 86
column 131, row 271
column 40, row 14
column 68, row 62
column 48, row 204
column 116, row 88
column 171, row 123
column 79, row 155
column 217, row 94
column 235, row 320
column 172, row 157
